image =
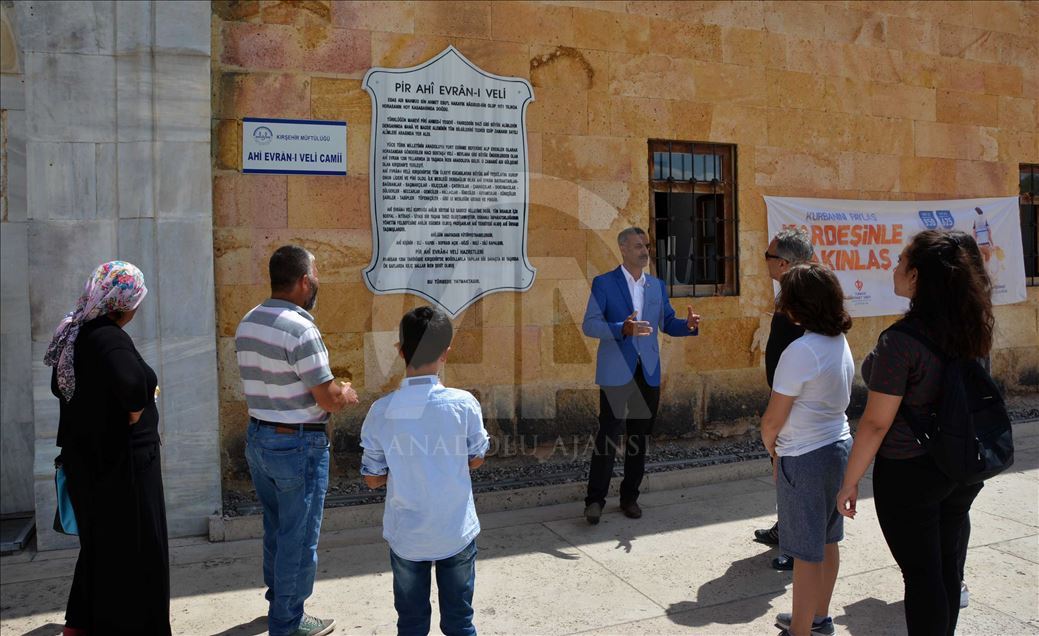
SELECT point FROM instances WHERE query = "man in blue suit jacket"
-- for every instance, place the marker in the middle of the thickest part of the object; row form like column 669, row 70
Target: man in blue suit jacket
column 626, row 309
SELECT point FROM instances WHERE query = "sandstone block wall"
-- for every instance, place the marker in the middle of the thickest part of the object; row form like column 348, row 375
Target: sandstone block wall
column 864, row 100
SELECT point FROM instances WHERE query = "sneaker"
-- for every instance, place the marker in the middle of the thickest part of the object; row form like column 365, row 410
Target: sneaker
column 768, row 536
column 822, row 627
column 964, row 595
column 783, row 562
column 311, row 626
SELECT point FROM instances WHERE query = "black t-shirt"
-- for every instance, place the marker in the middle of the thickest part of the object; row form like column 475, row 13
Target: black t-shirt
column 902, row 365
column 782, row 333
column 111, row 381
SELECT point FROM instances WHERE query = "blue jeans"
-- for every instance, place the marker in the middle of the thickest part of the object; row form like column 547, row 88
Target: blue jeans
column 456, row 579
column 290, row 473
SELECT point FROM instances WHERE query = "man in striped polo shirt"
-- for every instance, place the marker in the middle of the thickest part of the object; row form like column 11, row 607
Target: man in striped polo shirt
column 290, row 391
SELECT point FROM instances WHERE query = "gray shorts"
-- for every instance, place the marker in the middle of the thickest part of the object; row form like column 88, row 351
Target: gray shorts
column 806, row 493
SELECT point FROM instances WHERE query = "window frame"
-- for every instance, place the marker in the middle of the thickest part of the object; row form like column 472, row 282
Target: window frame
column 725, row 187
column 1030, row 198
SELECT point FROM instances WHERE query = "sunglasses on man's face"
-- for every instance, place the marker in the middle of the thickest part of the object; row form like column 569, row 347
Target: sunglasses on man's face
column 771, row 256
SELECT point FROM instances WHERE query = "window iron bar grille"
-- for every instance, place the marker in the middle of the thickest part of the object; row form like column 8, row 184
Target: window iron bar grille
column 1029, row 215
column 694, row 181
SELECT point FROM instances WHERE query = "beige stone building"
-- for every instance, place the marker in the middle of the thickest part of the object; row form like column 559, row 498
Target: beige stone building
column 854, row 100
column 106, row 132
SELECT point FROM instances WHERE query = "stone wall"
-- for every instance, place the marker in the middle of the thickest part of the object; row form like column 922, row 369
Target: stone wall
column 863, row 100
column 109, row 104
column 16, row 413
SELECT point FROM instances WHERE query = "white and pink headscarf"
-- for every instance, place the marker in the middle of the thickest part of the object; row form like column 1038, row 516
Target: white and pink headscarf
column 114, row 286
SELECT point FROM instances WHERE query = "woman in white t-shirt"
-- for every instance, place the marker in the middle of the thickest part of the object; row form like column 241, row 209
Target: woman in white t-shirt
column 806, row 432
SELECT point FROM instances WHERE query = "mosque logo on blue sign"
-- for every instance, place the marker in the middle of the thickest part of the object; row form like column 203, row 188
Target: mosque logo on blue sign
column 945, row 218
column 263, row 135
column 927, row 218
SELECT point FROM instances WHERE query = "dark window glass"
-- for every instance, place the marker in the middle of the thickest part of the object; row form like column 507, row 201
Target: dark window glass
column 1029, row 200
column 693, row 188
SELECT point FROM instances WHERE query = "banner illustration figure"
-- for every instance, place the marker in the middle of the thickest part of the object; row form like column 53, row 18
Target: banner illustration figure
column 449, row 182
column 861, row 242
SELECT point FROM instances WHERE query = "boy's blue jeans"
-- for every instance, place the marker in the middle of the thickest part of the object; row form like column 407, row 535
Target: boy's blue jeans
column 290, row 473
column 456, row 578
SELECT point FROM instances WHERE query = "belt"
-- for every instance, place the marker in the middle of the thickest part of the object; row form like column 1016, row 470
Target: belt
column 283, row 427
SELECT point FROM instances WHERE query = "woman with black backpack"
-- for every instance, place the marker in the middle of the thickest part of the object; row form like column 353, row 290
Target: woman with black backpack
column 921, row 509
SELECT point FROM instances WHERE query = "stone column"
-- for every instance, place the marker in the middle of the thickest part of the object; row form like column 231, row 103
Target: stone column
column 16, row 414
column 118, row 111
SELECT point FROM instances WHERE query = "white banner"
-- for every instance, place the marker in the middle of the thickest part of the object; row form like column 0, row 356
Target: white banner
column 861, row 242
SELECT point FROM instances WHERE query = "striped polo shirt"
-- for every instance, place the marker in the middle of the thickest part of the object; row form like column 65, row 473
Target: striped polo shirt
column 280, row 357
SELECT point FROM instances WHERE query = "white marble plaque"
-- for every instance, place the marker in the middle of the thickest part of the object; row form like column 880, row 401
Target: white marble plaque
column 449, row 182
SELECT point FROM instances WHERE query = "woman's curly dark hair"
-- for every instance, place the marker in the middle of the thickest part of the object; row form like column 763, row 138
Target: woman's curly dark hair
column 953, row 296
column 811, row 295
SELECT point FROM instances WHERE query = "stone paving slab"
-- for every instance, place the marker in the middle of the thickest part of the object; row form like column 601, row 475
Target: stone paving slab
column 865, row 604
column 1026, row 548
column 1004, row 582
column 534, row 581
column 1011, row 498
column 687, row 567
column 687, row 550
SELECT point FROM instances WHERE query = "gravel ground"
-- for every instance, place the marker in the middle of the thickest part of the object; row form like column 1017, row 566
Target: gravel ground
column 559, row 466
column 1023, row 407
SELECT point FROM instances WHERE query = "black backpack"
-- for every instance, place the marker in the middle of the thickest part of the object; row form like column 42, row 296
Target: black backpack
column 967, row 432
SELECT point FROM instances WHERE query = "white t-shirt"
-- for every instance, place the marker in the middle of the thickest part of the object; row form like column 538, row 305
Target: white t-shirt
column 817, row 370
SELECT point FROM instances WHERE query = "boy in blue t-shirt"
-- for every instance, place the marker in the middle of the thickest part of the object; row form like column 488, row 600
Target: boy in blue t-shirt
column 421, row 441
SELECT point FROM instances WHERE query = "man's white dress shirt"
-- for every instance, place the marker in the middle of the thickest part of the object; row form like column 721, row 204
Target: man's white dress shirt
column 637, row 289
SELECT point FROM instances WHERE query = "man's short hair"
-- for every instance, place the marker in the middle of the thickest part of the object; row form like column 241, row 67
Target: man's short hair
column 793, row 245
column 288, row 264
column 629, row 231
column 425, row 334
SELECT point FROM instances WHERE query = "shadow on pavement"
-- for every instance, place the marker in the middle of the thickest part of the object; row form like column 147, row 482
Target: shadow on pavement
column 218, row 568
column 624, row 543
column 238, row 565
column 873, row 616
column 50, row 629
column 717, row 593
column 256, row 626
column 559, row 554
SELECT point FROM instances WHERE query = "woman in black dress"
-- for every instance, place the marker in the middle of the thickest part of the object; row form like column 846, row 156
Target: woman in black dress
column 109, row 438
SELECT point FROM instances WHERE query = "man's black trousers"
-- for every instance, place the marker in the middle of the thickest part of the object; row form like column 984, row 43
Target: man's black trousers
column 630, row 409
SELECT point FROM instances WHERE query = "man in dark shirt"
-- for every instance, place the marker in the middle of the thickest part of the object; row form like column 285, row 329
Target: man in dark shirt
column 788, row 248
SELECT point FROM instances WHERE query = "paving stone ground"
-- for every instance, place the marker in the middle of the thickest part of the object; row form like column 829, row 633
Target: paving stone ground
column 687, row 567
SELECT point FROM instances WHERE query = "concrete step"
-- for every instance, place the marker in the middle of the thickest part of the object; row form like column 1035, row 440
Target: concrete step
column 364, row 516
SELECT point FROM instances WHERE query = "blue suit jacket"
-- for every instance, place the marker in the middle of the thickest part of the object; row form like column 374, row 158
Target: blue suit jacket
column 608, row 307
